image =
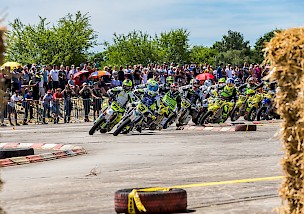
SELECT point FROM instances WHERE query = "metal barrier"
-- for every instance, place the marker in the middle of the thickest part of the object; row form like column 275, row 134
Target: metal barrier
column 73, row 110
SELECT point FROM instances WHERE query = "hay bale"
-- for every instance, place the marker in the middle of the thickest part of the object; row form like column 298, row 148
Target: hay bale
column 285, row 52
column 2, row 30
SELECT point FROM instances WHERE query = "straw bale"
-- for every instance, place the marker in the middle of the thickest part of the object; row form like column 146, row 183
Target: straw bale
column 285, row 52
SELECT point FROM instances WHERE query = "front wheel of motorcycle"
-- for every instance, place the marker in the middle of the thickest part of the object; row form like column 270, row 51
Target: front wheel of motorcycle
column 206, row 118
column 122, row 126
column 96, row 125
column 262, row 114
column 252, row 114
column 235, row 114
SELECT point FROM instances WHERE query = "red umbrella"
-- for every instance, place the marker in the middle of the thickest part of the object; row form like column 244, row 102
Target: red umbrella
column 204, row 76
column 80, row 73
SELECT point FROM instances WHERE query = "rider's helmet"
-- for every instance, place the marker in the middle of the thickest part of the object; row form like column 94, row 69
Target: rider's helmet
column 196, row 84
column 150, row 80
column 170, row 80
column 174, row 88
column 221, row 81
column 237, row 82
column 127, row 85
column 230, row 82
column 152, row 88
column 250, row 91
column 251, row 82
column 208, row 83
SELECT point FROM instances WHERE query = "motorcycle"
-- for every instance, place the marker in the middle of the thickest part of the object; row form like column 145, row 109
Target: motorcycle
column 218, row 112
column 132, row 119
column 184, row 114
column 108, row 119
column 267, row 110
column 239, row 108
column 158, row 117
column 253, row 105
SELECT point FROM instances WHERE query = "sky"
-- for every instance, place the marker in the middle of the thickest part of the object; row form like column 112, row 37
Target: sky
column 206, row 20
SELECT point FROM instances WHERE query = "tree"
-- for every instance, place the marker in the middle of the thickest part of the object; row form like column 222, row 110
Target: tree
column 133, row 48
column 260, row 45
column 173, row 46
column 233, row 49
column 233, row 41
column 201, row 54
column 67, row 42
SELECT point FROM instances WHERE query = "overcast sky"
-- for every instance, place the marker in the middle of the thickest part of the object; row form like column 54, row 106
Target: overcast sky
column 206, row 20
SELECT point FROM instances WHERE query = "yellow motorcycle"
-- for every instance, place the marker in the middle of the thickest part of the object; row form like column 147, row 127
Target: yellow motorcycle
column 218, row 112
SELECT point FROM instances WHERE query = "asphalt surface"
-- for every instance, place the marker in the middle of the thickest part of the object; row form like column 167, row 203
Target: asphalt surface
column 87, row 183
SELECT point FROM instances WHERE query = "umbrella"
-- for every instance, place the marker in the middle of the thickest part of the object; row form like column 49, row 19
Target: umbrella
column 204, row 76
column 80, row 73
column 98, row 74
column 12, row 65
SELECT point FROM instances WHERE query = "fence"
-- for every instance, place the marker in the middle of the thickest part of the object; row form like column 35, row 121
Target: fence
column 72, row 110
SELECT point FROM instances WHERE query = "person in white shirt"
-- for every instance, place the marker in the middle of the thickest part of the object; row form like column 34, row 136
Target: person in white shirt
column 12, row 110
column 54, row 76
column 228, row 71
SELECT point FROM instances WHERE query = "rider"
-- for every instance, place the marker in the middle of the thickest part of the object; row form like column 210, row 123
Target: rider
column 172, row 100
column 193, row 93
column 250, row 85
column 149, row 96
column 228, row 94
column 122, row 95
column 164, row 88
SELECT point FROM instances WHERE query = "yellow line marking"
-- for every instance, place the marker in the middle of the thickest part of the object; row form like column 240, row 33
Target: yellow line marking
column 229, row 182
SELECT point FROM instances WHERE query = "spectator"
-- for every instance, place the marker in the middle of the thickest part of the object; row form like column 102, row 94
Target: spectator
column 57, row 98
column 27, row 101
column 86, row 93
column 121, row 74
column 228, row 71
column 115, row 82
column 54, row 77
column 97, row 100
column 219, row 71
column 68, row 93
column 47, row 104
column 11, row 107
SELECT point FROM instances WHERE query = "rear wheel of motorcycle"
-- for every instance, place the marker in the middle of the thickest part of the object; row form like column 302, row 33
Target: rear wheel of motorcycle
column 122, row 126
column 205, row 118
column 95, row 126
column 169, row 121
column 262, row 115
column 235, row 114
column 252, row 114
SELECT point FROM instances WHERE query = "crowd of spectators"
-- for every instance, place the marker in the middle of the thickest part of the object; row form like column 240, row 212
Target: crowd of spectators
column 52, row 85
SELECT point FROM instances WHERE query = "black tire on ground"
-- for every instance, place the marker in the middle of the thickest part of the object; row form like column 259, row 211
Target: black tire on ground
column 173, row 201
column 18, row 152
column 262, row 115
column 252, row 114
column 95, row 126
column 245, row 128
column 203, row 119
column 122, row 126
column 169, row 121
column 235, row 114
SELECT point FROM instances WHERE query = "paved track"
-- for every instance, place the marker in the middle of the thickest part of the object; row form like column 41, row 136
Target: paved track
column 166, row 158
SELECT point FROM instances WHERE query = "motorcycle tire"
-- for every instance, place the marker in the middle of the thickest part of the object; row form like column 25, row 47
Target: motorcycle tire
column 202, row 120
column 262, row 115
column 122, row 126
column 252, row 114
column 169, row 121
column 235, row 114
column 95, row 126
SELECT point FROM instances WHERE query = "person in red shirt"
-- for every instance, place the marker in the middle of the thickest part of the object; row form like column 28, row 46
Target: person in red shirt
column 57, row 99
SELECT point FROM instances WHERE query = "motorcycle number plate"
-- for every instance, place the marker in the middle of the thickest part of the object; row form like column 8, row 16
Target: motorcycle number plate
column 185, row 104
column 142, row 108
column 115, row 106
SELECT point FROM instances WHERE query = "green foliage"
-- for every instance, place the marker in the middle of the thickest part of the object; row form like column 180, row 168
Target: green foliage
column 233, row 49
column 232, row 41
column 67, row 42
column 133, row 48
column 173, row 46
column 260, row 45
column 201, row 54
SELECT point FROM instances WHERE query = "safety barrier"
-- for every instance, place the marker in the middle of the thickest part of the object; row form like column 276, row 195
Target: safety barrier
column 72, row 110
